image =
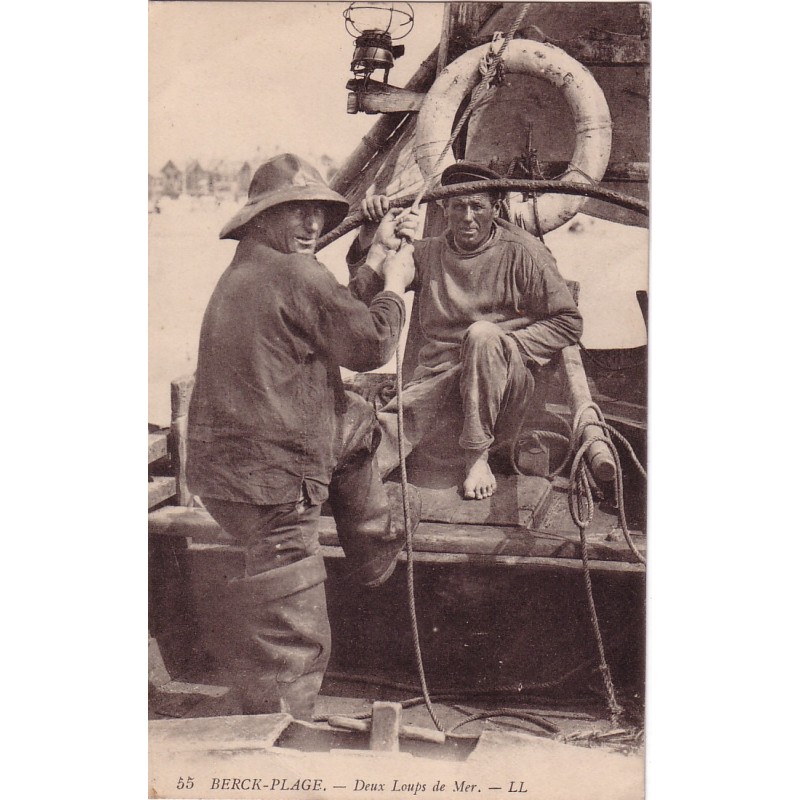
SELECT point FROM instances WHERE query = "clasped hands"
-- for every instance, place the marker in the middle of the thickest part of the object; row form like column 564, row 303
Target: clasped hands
column 391, row 252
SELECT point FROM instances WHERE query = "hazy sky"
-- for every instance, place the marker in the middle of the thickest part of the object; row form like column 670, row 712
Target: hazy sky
column 227, row 77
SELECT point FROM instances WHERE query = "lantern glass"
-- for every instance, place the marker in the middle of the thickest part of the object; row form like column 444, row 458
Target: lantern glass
column 396, row 19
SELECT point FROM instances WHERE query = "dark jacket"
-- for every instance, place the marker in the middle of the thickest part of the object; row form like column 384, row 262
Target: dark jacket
column 262, row 414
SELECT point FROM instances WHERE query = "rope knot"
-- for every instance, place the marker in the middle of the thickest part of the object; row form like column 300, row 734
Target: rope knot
column 491, row 65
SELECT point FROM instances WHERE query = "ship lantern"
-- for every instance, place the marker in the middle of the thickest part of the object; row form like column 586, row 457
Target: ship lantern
column 375, row 27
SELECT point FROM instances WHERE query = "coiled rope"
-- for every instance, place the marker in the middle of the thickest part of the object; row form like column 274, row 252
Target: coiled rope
column 581, row 508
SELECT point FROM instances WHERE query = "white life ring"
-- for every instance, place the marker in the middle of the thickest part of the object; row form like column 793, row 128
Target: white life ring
column 581, row 91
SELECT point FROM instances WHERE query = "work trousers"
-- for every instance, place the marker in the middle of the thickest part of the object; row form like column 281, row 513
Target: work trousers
column 483, row 398
column 281, row 641
column 276, row 535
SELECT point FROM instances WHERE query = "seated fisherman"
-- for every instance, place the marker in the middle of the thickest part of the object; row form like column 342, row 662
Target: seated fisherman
column 492, row 305
column 272, row 433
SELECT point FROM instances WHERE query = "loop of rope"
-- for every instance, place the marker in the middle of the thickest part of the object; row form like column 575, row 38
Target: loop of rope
column 581, row 507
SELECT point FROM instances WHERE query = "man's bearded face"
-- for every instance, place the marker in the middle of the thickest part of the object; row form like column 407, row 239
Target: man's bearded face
column 470, row 218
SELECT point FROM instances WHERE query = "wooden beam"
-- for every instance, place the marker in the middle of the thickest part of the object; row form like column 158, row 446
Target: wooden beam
column 383, row 98
column 181, row 394
column 444, row 41
column 484, row 543
column 632, row 171
column 601, row 462
column 160, row 489
column 528, row 563
column 156, row 446
column 595, row 48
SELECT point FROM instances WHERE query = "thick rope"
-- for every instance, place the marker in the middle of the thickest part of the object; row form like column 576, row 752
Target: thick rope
column 357, row 218
column 514, row 713
column 581, row 508
column 609, row 432
column 412, row 608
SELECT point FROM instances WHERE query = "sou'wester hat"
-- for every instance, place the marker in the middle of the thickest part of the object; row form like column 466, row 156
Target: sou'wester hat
column 466, row 171
column 284, row 179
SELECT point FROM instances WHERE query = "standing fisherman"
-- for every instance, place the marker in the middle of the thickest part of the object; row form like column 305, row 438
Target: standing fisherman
column 273, row 433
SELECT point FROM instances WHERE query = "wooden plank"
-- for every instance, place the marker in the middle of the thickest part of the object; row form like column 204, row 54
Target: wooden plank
column 156, row 446
column 160, row 489
column 610, row 50
column 632, row 171
column 202, row 689
column 157, row 672
column 592, row 46
column 465, row 540
column 181, row 394
column 529, row 563
column 217, row 733
column 519, row 500
column 618, row 411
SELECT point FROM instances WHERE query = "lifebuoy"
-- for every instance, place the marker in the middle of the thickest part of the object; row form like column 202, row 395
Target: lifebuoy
column 585, row 99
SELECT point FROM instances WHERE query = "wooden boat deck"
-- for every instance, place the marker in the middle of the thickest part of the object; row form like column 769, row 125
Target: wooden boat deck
column 553, row 543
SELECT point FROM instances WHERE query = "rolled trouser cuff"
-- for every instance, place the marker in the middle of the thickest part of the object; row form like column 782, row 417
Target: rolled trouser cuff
column 286, row 580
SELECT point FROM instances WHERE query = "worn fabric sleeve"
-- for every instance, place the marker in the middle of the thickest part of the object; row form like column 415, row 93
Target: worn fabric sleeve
column 345, row 330
column 557, row 321
column 355, row 258
column 365, row 283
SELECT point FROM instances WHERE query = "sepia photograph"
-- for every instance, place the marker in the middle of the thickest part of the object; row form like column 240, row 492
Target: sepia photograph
column 398, row 283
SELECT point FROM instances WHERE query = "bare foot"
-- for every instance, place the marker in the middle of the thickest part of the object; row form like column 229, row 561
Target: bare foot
column 480, row 482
